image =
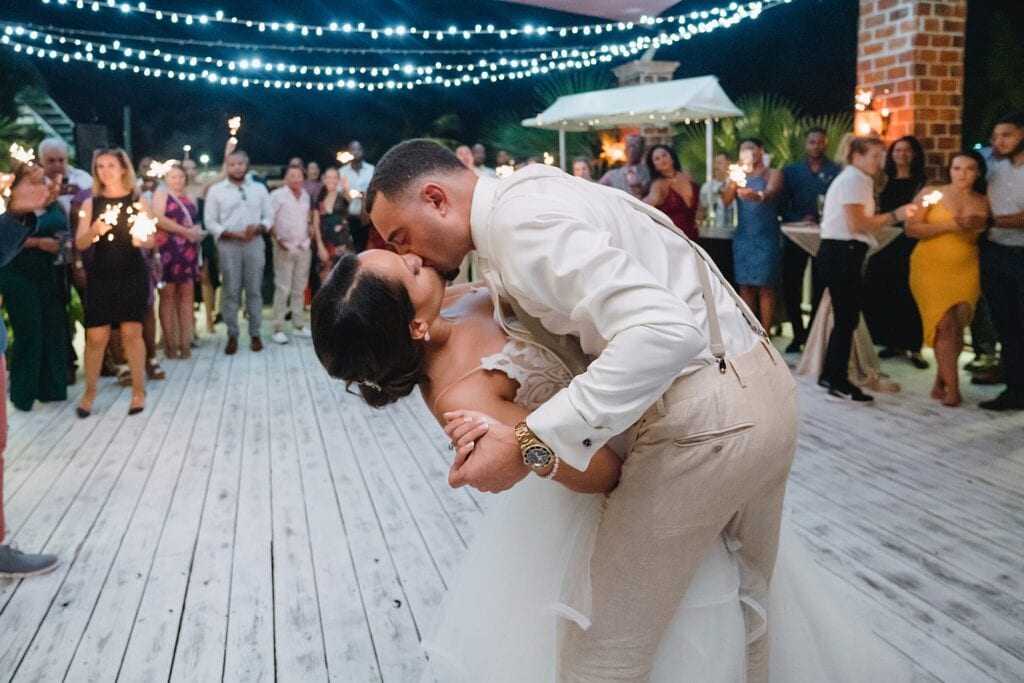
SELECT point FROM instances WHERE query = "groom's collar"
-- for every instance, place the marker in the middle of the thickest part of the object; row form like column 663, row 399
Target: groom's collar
column 484, row 196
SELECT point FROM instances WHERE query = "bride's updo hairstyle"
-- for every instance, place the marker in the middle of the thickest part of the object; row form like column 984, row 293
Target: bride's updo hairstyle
column 360, row 325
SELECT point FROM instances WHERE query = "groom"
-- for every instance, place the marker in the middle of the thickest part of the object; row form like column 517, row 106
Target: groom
column 679, row 367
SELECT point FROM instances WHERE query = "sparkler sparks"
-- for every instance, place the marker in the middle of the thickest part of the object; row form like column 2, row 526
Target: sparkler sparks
column 345, row 157
column 158, row 169
column 932, row 198
column 142, row 225
column 111, row 214
column 22, row 155
column 234, row 125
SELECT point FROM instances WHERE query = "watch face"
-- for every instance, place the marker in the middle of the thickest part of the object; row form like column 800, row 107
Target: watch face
column 537, row 457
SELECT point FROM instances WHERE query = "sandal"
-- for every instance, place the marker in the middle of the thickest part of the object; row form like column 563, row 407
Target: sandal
column 153, row 369
column 124, row 376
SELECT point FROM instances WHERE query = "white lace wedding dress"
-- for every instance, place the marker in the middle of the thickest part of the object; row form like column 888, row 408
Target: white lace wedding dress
column 525, row 576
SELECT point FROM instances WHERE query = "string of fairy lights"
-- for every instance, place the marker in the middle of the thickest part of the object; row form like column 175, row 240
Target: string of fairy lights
column 255, row 65
column 709, row 16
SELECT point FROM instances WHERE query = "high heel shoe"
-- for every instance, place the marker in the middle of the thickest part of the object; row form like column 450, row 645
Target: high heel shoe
column 135, row 410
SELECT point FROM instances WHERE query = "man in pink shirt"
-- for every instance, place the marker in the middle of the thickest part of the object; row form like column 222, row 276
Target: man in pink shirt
column 292, row 254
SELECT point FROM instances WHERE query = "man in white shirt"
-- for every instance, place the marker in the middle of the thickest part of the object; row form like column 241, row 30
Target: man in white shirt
column 680, row 367
column 291, row 253
column 53, row 157
column 356, row 177
column 1002, row 256
column 480, row 161
column 237, row 214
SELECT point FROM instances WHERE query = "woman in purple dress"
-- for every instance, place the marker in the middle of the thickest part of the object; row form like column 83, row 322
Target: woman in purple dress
column 178, row 242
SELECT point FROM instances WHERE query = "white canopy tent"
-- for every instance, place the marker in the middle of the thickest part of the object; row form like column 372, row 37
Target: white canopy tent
column 652, row 104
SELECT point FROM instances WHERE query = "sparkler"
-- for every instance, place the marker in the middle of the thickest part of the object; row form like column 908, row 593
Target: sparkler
column 932, row 198
column 142, row 225
column 504, row 171
column 234, row 125
column 548, row 159
column 355, row 194
column 111, row 214
column 345, row 157
column 738, row 175
column 158, row 169
column 22, row 155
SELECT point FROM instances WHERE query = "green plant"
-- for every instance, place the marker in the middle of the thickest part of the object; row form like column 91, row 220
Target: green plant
column 776, row 121
column 12, row 131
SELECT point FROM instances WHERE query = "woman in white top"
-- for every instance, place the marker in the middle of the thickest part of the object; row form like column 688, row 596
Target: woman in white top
column 848, row 227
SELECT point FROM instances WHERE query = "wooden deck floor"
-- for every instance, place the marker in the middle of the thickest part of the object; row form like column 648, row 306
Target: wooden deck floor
column 257, row 523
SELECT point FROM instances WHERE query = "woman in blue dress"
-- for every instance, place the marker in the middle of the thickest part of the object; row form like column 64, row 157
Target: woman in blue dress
column 756, row 244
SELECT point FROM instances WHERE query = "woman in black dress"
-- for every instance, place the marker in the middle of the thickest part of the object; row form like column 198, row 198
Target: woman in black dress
column 118, row 277
column 330, row 223
column 889, row 308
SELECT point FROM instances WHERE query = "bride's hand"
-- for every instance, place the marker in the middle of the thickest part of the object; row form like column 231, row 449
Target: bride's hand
column 497, row 463
column 465, row 430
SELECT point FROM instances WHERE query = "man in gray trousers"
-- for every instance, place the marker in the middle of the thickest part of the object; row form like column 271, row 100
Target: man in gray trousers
column 238, row 213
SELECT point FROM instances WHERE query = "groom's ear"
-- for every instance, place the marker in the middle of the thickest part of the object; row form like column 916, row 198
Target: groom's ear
column 436, row 195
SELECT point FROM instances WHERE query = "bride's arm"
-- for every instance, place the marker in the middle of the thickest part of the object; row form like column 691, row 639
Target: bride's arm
column 601, row 475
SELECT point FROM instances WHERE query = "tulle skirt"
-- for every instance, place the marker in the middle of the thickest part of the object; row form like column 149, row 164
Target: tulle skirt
column 525, row 578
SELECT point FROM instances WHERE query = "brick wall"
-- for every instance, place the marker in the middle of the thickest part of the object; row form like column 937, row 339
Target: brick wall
column 915, row 50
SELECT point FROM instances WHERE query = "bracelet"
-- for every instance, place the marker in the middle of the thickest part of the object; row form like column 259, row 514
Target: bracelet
column 554, row 470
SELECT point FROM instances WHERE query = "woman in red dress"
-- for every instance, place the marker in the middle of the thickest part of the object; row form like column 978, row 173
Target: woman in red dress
column 672, row 189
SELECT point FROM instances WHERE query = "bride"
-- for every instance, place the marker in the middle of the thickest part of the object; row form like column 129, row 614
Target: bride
column 387, row 324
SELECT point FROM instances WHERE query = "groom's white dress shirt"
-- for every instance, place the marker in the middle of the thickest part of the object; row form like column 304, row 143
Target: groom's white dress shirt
column 590, row 261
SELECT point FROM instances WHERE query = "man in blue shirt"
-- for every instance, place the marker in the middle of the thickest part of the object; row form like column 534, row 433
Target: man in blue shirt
column 806, row 182
column 16, row 224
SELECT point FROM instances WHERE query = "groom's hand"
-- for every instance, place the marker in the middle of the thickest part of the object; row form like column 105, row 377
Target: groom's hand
column 487, row 456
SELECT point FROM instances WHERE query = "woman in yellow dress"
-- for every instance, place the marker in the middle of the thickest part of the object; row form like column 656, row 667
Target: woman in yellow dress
column 945, row 276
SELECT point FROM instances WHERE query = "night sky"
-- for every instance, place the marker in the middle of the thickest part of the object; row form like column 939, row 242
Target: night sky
column 805, row 51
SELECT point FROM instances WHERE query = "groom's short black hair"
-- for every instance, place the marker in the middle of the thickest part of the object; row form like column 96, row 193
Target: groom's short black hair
column 407, row 162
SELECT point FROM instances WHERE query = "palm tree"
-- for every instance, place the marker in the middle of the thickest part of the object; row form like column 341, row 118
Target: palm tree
column 771, row 118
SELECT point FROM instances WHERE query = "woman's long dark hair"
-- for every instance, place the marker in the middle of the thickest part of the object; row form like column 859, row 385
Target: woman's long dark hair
column 360, row 324
column 649, row 161
column 980, row 183
column 916, row 164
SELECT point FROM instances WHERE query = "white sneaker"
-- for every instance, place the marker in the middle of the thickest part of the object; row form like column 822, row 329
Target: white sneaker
column 303, row 332
column 280, row 338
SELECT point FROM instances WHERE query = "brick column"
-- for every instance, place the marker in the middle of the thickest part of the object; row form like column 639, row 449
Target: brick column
column 640, row 72
column 914, row 50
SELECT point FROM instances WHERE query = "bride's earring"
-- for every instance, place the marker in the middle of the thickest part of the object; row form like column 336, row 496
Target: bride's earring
column 426, row 336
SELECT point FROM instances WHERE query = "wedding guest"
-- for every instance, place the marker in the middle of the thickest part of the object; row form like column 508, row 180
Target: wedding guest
column 178, row 246
column 716, row 237
column 480, row 161
column 53, row 157
column 117, row 274
column 805, row 181
column 238, row 213
column 209, row 273
column 945, row 275
column 848, row 227
column 756, row 246
column 1002, row 256
column 28, row 195
column 581, row 168
column 890, row 310
column 633, row 176
column 356, row 176
column 312, row 184
column 672, row 189
column 330, row 224
column 31, row 286
column 291, row 233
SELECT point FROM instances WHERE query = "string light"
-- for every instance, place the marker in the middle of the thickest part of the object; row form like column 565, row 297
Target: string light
column 400, row 31
column 254, row 64
column 254, row 71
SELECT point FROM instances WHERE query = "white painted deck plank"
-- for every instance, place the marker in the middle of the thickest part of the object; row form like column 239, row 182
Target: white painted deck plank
column 316, row 536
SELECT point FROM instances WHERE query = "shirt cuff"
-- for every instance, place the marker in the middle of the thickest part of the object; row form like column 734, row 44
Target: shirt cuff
column 559, row 425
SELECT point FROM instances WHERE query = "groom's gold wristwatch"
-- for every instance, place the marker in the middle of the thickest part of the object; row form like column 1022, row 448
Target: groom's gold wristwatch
column 537, row 455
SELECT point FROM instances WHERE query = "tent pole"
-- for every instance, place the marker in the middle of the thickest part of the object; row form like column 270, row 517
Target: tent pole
column 561, row 149
column 709, row 135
